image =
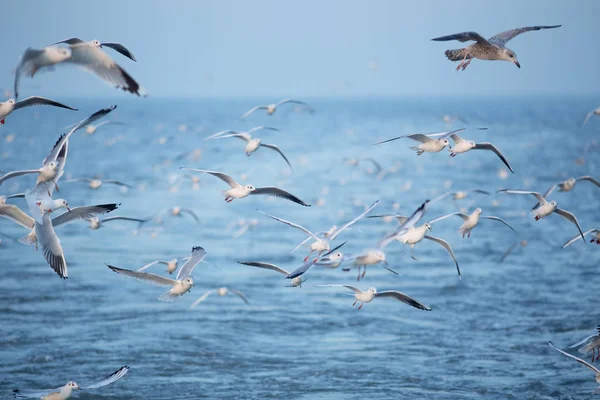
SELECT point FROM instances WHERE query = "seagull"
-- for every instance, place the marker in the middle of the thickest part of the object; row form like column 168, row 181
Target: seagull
column 179, row 286
column 87, row 55
column 238, row 191
column 590, row 344
column 430, row 142
column 295, row 282
column 10, row 105
column 568, row 185
column 492, row 49
column 522, row 243
column 462, row 146
column 34, row 59
column 249, row 132
column 580, row 361
column 323, row 244
column 221, row 292
column 252, row 144
column 271, row 108
column 64, row 392
column 178, row 212
column 405, row 225
column 471, row 221
column 308, row 264
column 16, row 215
column 368, row 257
column 546, row 207
column 595, row 239
column 595, row 111
column 462, row 194
column 91, row 129
column 40, row 204
column 53, row 165
column 96, row 223
column 415, row 235
column 171, row 264
column 95, row 183
column 370, row 294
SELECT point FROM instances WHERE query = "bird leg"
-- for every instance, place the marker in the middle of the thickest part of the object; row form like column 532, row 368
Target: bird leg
column 306, row 258
column 353, row 304
column 2, row 121
column 361, row 304
column 364, row 272
column 465, row 65
column 469, row 235
column 55, row 185
column 462, row 62
column 318, row 255
column 358, row 276
column 537, row 217
column 411, row 253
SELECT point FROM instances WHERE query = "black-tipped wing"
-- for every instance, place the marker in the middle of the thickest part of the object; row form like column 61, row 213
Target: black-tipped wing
column 70, row 41
column 51, row 248
column 85, row 212
column 392, row 294
column 186, row 269
column 577, row 237
column 446, row 246
column 112, row 378
column 276, row 192
column 489, row 146
column 570, row 217
column 277, row 149
column 40, row 101
column 264, row 265
column 493, row 218
column 143, row 276
column 501, row 38
column 121, row 49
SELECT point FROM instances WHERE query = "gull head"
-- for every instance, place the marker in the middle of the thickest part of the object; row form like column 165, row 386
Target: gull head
column 372, row 290
column 445, row 142
column 571, row 181
column 222, row 291
column 2, row 199
column 250, row 188
column 53, row 165
column 510, row 56
column 10, row 101
column 472, row 144
column 72, row 385
column 478, row 211
column 59, row 203
column 188, row 280
column 427, row 226
column 378, row 255
column 97, row 43
column 94, row 223
column 554, row 204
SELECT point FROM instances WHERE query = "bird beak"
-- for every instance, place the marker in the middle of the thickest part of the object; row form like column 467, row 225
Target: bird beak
column 517, row 64
column 429, row 228
column 68, row 208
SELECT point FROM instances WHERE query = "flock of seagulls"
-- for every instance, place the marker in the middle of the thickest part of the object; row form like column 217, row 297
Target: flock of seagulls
column 324, row 247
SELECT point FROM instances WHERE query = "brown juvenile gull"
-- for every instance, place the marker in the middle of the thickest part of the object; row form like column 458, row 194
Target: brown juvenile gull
column 491, row 49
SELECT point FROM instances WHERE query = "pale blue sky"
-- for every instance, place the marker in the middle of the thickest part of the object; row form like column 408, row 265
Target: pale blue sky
column 271, row 48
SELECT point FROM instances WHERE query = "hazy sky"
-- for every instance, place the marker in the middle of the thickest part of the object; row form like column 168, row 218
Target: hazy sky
column 279, row 48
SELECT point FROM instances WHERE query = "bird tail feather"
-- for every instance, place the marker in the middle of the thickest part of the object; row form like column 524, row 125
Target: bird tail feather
column 456, row 55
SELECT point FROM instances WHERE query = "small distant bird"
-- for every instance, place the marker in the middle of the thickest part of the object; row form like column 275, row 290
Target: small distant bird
column 595, row 370
column 238, row 191
column 369, row 295
column 430, row 142
column 568, row 185
column 595, row 111
column 251, row 144
column 546, row 208
column 91, row 129
column 171, row 264
column 95, row 183
column 366, row 258
column 179, row 286
column 84, row 54
column 179, row 211
column 10, row 105
column 462, row 146
column 492, row 49
column 271, row 108
column 64, row 392
column 221, row 292
column 471, row 221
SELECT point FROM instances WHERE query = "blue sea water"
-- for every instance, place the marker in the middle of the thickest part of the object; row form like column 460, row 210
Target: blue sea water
column 485, row 338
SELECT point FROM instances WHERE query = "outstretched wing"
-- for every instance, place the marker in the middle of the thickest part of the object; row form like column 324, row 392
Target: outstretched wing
column 463, row 37
column 202, row 298
column 340, row 229
column 570, row 217
column 293, row 225
column 501, row 38
column 538, row 196
column 144, row 276
column 121, row 49
column 579, row 360
column 493, row 218
column 446, row 246
column 112, row 378
column 250, row 111
column 277, row 149
column 51, row 248
column 577, row 237
column 462, row 215
column 85, row 212
column 589, row 179
column 40, row 101
column 17, row 215
column 276, row 192
column 186, row 269
column 263, row 265
column 491, row 147
column 18, row 394
column 392, row 294
column 224, row 177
